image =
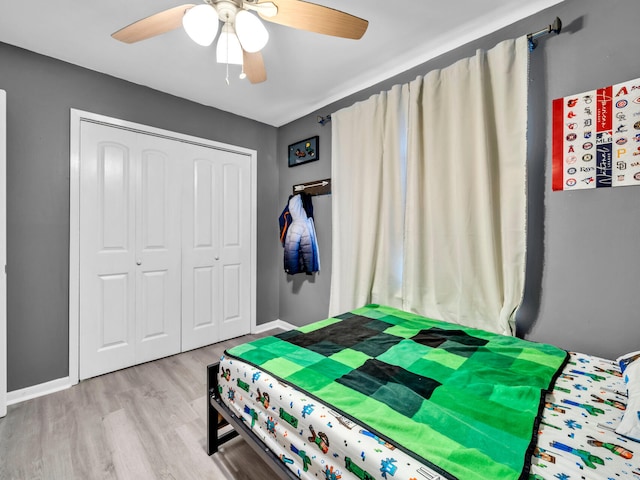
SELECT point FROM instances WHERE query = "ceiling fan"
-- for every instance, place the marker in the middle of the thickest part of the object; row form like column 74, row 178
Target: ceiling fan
column 243, row 35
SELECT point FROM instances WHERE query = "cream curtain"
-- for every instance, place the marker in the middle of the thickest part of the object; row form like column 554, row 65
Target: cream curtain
column 466, row 194
column 367, row 171
column 459, row 220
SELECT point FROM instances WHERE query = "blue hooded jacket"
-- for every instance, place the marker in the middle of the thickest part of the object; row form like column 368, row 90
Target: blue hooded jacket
column 300, row 244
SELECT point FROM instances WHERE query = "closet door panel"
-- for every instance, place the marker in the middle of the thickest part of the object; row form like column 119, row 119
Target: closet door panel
column 107, row 240
column 154, row 195
column 232, row 294
column 114, row 319
column 235, row 251
column 158, row 262
column 113, row 177
column 204, row 178
column 204, row 279
column 153, row 319
column 201, row 249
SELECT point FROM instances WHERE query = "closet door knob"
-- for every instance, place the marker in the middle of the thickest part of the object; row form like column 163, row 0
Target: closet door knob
column 217, row 258
column 139, row 262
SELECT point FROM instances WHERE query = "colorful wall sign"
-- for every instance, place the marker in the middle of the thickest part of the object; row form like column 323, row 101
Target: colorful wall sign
column 596, row 138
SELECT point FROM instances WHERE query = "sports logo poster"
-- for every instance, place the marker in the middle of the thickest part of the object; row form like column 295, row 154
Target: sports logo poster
column 596, row 138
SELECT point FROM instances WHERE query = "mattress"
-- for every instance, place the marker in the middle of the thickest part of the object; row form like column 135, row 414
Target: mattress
column 574, row 435
column 312, row 438
column 577, row 438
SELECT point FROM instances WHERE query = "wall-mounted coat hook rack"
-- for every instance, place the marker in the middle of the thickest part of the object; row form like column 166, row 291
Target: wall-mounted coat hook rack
column 316, row 187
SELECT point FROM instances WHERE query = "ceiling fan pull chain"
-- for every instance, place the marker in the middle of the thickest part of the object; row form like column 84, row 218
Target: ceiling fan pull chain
column 226, row 24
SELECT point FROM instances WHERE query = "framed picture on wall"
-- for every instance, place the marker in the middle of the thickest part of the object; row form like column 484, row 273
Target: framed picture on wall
column 304, row 151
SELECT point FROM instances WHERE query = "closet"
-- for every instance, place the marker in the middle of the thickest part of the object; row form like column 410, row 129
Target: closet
column 164, row 246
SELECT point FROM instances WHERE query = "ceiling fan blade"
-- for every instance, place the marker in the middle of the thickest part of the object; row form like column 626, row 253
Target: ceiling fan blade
column 317, row 18
column 253, row 66
column 153, row 25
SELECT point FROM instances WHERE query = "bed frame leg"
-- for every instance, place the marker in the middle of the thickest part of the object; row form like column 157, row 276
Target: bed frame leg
column 217, row 418
column 220, row 417
column 212, row 413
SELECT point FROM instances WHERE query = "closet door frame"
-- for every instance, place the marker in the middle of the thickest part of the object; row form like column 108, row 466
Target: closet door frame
column 79, row 116
column 3, row 253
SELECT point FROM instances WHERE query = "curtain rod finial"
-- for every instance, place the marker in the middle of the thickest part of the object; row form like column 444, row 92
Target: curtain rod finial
column 555, row 27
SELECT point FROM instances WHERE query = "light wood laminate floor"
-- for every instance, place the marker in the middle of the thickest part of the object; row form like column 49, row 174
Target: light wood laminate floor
column 143, row 422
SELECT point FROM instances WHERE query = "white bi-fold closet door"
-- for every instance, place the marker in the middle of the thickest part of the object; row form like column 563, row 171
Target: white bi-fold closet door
column 164, row 247
column 216, row 234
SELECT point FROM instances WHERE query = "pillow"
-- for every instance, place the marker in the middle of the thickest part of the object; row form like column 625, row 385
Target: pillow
column 630, row 424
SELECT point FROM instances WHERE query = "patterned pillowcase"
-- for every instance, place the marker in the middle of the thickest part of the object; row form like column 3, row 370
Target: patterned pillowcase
column 630, row 424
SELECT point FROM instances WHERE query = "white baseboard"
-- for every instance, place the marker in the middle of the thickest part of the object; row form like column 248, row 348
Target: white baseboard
column 263, row 327
column 35, row 391
column 53, row 386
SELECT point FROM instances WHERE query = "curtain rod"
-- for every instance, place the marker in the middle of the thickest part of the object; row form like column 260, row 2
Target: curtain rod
column 532, row 38
column 322, row 120
column 555, row 27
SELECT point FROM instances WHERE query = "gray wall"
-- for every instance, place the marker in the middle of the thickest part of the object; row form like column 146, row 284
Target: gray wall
column 305, row 298
column 583, row 265
column 40, row 92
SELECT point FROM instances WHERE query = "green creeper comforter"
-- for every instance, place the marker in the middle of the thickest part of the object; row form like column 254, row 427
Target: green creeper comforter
column 464, row 401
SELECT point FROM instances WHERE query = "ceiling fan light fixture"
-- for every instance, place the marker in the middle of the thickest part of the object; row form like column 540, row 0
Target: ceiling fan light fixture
column 201, row 24
column 228, row 49
column 251, row 32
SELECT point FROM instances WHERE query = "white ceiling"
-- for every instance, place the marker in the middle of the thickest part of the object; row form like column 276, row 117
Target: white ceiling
column 305, row 70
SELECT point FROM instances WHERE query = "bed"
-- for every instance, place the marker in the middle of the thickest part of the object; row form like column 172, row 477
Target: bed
column 378, row 393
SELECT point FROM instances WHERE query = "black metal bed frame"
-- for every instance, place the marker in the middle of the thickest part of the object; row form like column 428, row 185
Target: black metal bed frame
column 215, row 439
